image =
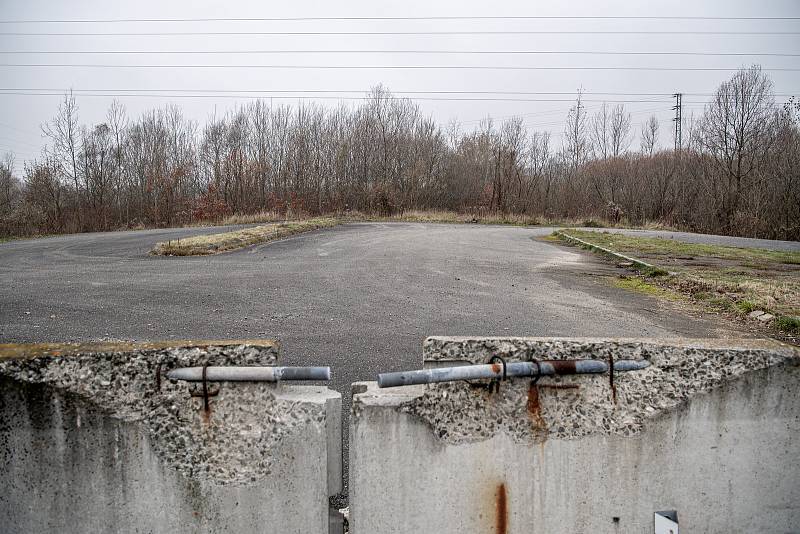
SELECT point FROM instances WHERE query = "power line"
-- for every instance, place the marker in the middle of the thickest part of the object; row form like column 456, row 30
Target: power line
column 325, row 97
column 555, row 111
column 18, row 141
column 361, row 91
column 464, row 32
column 88, row 93
column 388, row 67
column 21, row 130
column 293, row 19
column 481, row 52
column 16, row 152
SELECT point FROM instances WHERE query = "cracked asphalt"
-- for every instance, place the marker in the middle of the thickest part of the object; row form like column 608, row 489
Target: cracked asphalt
column 359, row 297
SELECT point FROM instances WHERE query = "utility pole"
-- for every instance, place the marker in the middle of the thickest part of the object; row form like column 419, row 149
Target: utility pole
column 578, row 149
column 678, row 120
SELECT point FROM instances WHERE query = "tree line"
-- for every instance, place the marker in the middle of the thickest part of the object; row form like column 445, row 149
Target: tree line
column 736, row 173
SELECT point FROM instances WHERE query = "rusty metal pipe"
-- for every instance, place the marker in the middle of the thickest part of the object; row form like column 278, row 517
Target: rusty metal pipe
column 495, row 370
column 249, row 374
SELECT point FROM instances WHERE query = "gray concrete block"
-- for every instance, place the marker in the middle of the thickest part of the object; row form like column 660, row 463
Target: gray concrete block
column 92, row 442
column 709, row 430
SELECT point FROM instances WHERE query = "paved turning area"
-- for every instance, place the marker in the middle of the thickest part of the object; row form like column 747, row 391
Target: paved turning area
column 358, row 297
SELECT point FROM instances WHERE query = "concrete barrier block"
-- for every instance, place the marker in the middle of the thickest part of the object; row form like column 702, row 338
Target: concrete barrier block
column 97, row 439
column 709, row 430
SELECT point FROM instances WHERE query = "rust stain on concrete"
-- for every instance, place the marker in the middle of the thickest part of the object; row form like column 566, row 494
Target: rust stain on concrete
column 534, row 406
column 501, row 505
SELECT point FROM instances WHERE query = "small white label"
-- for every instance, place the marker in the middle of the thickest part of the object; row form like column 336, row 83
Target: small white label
column 664, row 525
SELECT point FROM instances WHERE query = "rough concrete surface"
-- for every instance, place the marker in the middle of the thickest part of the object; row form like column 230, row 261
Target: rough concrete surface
column 92, row 441
column 560, row 410
column 710, row 430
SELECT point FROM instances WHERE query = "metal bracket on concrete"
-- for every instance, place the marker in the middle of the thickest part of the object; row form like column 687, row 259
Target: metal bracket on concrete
column 205, row 392
column 495, row 371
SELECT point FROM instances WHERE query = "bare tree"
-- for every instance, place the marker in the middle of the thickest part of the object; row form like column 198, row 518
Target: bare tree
column 9, row 185
column 117, row 121
column 44, row 193
column 511, row 151
column 575, row 137
column 738, row 131
column 541, row 168
column 64, row 132
column 649, row 135
column 619, row 131
column 601, row 133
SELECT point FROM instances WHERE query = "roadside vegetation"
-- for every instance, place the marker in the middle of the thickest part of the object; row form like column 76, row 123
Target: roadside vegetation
column 759, row 285
column 432, row 216
column 245, row 237
column 736, row 172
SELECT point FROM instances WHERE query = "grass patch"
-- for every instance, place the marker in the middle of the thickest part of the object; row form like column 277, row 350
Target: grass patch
column 790, row 325
column 671, row 249
column 227, row 241
column 444, row 216
column 9, row 238
column 746, row 306
column 654, row 272
column 721, row 303
column 253, row 218
column 639, row 285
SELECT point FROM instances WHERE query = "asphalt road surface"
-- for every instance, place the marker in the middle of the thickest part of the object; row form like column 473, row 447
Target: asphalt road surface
column 358, row 297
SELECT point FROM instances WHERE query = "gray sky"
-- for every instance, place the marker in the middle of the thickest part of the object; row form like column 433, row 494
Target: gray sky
column 21, row 115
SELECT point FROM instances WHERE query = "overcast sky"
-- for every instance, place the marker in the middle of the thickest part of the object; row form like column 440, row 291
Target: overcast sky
column 21, row 115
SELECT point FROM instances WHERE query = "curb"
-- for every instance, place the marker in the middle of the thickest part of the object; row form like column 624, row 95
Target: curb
column 639, row 264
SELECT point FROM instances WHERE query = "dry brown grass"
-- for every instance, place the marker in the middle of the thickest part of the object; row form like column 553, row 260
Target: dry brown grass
column 246, row 237
column 446, row 216
column 433, row 216
column 255, row 218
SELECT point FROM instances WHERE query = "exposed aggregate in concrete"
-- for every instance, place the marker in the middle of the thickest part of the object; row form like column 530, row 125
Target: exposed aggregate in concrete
column 229, row 444
column 461, row 413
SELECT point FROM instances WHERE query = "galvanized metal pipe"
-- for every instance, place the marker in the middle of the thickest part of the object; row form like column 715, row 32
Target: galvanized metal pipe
column 249, row 374
column 495, row 370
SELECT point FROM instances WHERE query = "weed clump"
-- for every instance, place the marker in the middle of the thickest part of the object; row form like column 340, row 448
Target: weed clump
column 788, row 324
column 746, row 306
